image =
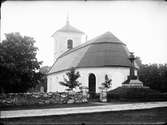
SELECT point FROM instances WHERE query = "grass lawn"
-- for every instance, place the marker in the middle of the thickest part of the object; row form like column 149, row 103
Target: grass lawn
column 147, row 116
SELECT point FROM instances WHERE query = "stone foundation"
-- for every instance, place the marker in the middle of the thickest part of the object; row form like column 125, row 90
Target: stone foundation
column 134, row 84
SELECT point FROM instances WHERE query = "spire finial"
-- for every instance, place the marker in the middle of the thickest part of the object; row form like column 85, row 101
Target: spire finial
column 67, row 20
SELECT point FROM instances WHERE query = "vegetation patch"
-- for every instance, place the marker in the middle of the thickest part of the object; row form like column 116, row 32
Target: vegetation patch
column 154, row 76
column 135, row 94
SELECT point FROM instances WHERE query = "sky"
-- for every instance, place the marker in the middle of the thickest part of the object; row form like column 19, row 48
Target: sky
column 141, row 25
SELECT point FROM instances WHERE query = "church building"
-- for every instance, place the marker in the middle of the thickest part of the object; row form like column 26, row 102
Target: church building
column 103, row 55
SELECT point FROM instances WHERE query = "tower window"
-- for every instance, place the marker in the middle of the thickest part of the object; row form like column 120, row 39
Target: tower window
column 69, row 44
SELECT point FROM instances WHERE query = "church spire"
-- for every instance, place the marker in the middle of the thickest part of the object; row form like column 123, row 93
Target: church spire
column 67, row 19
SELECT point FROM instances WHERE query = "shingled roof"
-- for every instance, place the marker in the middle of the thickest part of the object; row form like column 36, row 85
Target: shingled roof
column 103, row 51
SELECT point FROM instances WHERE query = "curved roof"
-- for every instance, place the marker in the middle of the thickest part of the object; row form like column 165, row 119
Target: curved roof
column 68, row 28
column 103, row 51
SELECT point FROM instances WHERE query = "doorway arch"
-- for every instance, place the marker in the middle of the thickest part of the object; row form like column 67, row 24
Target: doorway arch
column 92, row 85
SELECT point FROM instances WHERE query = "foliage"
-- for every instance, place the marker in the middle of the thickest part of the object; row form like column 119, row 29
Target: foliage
column 154, row 76
column 18, row 64
column 71, row 82
column 43, row 82
column 107, row 84
column 44, row 69
column 135, row 94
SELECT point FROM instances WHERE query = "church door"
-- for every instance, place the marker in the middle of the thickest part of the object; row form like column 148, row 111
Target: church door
column 92, row 85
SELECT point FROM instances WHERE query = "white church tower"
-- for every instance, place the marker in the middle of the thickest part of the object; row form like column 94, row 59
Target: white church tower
column 66, row 38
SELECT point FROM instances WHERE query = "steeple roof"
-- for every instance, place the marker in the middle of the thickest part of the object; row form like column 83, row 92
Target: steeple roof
column 69, row 28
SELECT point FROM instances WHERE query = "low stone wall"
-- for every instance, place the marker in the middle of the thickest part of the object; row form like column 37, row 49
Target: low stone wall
column 42, row 98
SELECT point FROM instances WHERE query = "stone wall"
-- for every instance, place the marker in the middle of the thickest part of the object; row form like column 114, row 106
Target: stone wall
column 42, row 98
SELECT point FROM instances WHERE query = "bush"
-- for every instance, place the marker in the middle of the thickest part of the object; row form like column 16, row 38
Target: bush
column 154, row 76
column 135, row 94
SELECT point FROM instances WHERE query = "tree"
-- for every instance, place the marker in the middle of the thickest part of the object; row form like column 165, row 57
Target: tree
column 18, row 64
column 154, row 76
column 107, row 83
column 71, row 82
column 43, row 82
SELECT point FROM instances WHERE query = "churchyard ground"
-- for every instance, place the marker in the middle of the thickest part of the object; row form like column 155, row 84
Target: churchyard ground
column 133, row 117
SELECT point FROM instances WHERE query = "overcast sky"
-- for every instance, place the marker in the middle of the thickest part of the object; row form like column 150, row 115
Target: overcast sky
column 142, row 26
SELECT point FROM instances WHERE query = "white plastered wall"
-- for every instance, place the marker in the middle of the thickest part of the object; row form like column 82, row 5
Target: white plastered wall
column 60, row 42
column 117, row 74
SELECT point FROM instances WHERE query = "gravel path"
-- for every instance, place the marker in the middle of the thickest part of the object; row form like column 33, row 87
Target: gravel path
column 76, row 110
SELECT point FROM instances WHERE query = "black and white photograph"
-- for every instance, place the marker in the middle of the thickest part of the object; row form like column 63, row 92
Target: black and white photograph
column 83, row 62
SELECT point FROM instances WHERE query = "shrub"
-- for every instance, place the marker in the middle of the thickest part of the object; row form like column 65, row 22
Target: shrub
column 154, row 76
column 107, row 83
column 71, row 82
column 135, row 94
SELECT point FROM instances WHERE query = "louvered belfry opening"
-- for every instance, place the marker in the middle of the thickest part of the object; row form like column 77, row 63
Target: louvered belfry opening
column 69, row 44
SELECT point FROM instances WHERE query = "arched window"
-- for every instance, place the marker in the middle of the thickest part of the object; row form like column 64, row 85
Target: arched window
column 69, row 44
